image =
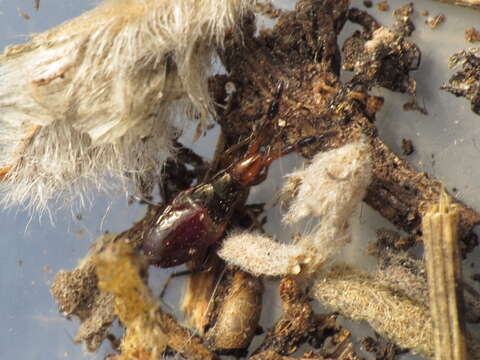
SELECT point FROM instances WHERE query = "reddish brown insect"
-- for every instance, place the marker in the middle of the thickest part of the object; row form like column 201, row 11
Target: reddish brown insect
column 197, row 217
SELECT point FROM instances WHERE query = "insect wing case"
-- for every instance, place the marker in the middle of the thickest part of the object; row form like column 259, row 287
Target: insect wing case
column 194, row 220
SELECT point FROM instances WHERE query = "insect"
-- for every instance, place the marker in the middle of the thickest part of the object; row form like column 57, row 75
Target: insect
column 197, row 217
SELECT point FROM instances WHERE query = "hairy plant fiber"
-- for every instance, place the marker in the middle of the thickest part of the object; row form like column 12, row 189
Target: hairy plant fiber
column 98, row 95
column 358, row 296
column 330, row 189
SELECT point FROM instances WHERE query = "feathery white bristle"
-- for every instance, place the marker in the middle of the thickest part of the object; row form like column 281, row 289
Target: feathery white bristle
column 99, row 94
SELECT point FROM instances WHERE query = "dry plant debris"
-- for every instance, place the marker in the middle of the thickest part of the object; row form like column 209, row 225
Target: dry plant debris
column 435, row 21
column 148, row 329
column 466, row 81
column 77, row 294
column 133, row 302
column 407, row 275
column 383, row 6
column 289, row 76
column 103, row 95
column 299, row 324
column 358, row 296
column 23, row 14
column 407, row 147
column 382, row 348
column 474, row 4
column 267, row 8
column 472, row 35
column 444, row 271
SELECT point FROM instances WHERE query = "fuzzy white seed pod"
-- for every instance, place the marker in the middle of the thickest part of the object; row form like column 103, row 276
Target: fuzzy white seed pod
column 260, row 255
column 358, row 296
column 97, row 95
column 331, row 189
column 333, row 185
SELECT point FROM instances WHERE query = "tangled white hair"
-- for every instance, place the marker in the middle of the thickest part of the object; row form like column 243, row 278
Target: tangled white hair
column 100, row 95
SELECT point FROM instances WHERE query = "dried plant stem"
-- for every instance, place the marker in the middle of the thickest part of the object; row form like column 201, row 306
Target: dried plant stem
column 475, row 4
column 444, row 272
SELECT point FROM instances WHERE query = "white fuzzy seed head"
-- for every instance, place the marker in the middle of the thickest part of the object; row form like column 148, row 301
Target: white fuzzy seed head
column 357, row 295
column 331, row 188
column 260, row 255
column 98, row 95
column 332, row 185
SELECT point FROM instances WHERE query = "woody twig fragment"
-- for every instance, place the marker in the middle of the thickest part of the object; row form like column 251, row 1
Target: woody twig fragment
column 444, row 271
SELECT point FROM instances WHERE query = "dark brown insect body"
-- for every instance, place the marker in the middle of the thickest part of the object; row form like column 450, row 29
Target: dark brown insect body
column 195, row 219
column 198, row 217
